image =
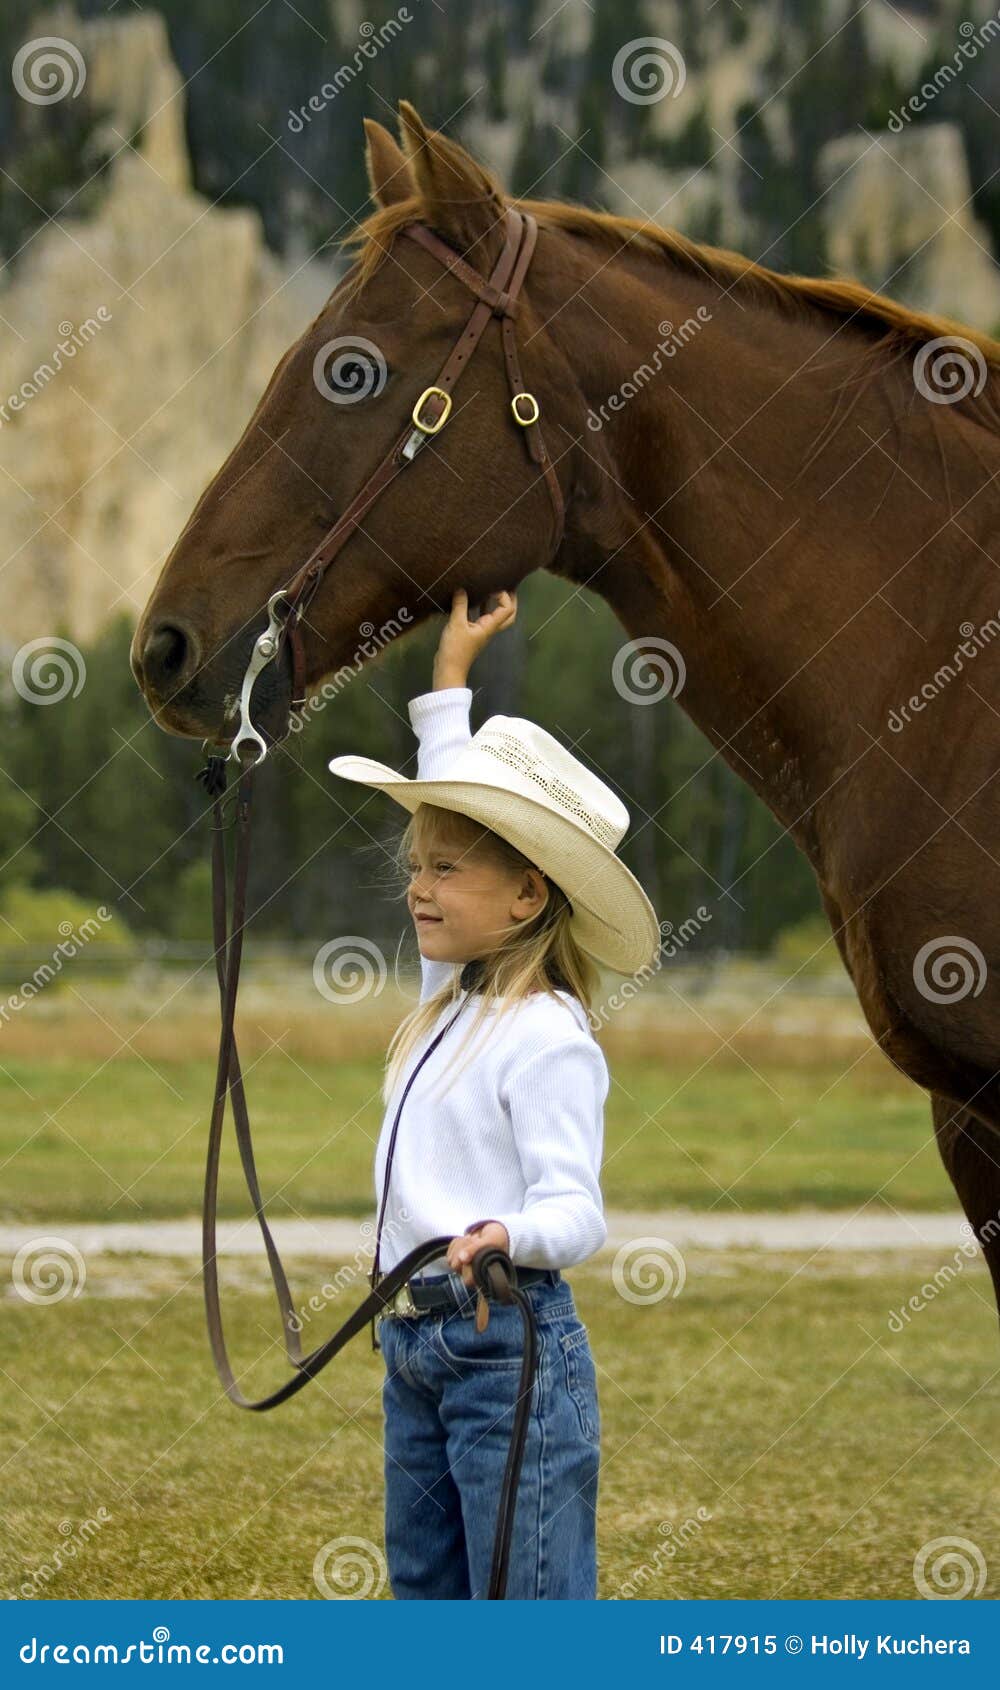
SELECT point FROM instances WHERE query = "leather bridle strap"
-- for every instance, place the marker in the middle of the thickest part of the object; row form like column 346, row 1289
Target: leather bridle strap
column 506, row 305
column 497, row 296
column 228, row 950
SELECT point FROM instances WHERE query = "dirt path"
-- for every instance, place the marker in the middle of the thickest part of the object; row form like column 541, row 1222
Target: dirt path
column 801, row 1230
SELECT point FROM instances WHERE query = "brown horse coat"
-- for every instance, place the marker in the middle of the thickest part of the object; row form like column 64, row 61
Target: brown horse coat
column 770, row 472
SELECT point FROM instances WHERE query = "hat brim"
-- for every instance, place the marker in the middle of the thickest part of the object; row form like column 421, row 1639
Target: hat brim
column 593, row 878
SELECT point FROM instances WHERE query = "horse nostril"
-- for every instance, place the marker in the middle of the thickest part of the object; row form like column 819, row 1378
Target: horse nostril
column 167, row 657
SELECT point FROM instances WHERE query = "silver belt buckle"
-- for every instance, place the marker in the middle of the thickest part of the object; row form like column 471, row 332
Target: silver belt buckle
column 403, row 1304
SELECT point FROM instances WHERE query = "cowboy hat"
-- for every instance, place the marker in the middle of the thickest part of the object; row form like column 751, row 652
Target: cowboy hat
column 524, row 785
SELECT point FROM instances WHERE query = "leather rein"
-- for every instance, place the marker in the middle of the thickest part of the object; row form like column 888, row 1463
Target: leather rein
column 496, row 296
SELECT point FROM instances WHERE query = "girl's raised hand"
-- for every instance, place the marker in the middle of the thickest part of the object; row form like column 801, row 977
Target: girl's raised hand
column 461, row 640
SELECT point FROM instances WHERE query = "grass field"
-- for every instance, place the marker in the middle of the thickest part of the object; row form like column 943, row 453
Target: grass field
column 765, row 1433
column 105, row 1106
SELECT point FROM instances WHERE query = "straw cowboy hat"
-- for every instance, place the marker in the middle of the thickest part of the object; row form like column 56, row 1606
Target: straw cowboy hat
column 519, row 781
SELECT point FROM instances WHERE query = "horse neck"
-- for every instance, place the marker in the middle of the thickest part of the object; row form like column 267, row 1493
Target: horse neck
column 801, row 595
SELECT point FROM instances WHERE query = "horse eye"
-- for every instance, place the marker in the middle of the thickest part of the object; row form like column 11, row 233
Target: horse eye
column 350, row 368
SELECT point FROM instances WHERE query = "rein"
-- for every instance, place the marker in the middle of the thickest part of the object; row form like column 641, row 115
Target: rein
column 493, row 1271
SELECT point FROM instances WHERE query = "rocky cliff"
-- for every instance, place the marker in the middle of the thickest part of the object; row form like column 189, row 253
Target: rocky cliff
column 136, row 343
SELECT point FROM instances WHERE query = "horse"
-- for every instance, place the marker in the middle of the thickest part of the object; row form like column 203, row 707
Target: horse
column 796, row 497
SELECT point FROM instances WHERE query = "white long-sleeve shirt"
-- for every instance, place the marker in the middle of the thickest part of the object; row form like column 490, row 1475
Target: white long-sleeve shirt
column 518, row 1135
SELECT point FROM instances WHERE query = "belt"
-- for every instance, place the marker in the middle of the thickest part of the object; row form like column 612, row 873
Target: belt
column 416, row 1297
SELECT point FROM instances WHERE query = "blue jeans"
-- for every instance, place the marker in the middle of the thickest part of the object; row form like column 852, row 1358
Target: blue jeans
column 448, row 1402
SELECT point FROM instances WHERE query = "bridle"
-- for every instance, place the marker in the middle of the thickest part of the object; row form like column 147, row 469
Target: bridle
column 496, row 296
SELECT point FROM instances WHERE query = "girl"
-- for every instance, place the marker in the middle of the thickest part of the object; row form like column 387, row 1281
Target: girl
column 513, row 886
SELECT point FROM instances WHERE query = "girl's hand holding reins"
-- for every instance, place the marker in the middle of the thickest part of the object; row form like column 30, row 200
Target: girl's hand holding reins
column 461, row 640
column 461, row 1250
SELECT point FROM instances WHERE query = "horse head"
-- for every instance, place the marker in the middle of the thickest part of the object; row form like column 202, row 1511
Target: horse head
column 471, row 508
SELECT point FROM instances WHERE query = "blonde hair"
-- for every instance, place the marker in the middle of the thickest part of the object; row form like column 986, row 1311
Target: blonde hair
column 539, row 954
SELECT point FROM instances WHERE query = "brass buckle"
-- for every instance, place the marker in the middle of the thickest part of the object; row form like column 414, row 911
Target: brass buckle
column 525, row 422
column 434, row 427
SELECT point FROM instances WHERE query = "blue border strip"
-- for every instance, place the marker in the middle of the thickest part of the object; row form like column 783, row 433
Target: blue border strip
column 585, row 1643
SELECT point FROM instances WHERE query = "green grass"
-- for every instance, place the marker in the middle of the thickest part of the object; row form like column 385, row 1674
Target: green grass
column 128, row 1142
column 125, row 1141
column 822, row 1450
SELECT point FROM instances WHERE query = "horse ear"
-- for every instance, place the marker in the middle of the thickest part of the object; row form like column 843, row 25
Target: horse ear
column 461, row 199
column 389, row 175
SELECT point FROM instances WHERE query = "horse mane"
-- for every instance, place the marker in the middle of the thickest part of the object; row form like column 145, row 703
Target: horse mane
column 899, row 328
